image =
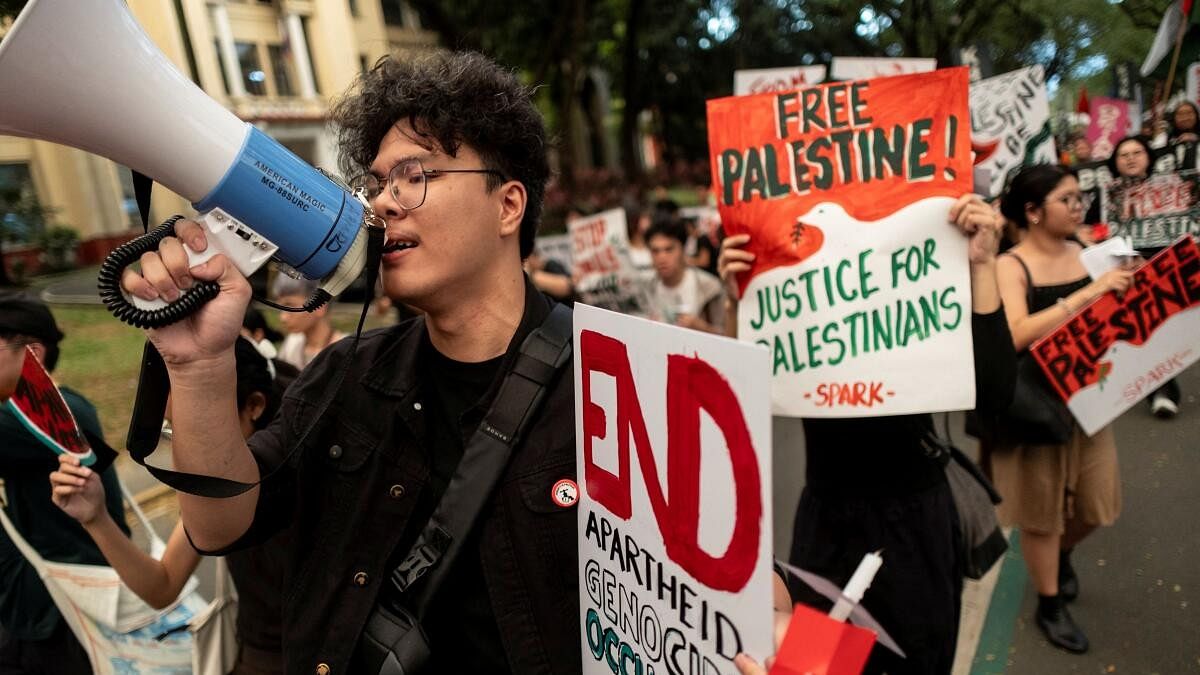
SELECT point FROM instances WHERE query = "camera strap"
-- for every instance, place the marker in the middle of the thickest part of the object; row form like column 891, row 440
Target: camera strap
column 543, row 355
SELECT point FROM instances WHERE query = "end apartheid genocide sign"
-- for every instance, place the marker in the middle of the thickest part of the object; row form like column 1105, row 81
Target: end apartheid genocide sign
column 860, row 288
column 673, row 448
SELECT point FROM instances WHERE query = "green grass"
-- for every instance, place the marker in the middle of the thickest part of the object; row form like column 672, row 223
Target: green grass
column 100, row 359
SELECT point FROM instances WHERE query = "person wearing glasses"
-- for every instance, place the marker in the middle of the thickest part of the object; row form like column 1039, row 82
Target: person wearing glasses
column 1131, row 163
column 452, row 153
column 1055, row 494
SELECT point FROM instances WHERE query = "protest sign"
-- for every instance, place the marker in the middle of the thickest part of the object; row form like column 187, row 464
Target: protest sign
column 1093, row 178
column 708, row 218
column 1117, row 351
column 675, row 560
column 1109, row 124
column 40, row 407
column 1155, row 211
column 1193, row 83
column 765, row 80
column 866, row 68
column 606, row 277
column 556, row 247
column 1010, row 124
column 860, row 287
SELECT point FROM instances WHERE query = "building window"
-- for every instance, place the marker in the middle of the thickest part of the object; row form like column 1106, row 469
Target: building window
column 393, row 13
column 281, row 67
column 129, row 197
column 253, row 77
column 186, row 34
column 21, row 215
column 363, row 64
column 221, row 63
column 312, row 63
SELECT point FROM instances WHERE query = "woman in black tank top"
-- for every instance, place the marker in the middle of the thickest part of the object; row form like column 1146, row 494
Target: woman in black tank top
column 1047, row 494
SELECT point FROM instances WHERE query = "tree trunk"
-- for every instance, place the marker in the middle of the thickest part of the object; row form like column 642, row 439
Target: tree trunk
column 569, row 95
column 632, row 94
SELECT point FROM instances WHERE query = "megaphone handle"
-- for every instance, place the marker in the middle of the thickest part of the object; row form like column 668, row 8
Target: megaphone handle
column 152, row 314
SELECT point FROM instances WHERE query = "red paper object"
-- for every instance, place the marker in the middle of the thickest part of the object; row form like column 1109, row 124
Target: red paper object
column 817, row 645
column 39, row 406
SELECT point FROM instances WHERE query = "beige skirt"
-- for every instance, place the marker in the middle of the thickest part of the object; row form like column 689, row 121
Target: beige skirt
column 1044, row 486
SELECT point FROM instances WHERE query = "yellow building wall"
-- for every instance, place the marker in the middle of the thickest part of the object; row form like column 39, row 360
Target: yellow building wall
column 85, row 191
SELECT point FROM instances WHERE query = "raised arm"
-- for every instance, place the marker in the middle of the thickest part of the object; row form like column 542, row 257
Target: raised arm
column 1026, row 328
column 198, row 352
column 77, row 491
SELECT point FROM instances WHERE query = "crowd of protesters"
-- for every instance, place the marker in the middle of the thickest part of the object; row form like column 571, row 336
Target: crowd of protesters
column 478, row 303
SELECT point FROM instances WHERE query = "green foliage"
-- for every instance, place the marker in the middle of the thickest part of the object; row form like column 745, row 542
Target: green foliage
column 59, row 245
column 670, row 56
column 22, row 216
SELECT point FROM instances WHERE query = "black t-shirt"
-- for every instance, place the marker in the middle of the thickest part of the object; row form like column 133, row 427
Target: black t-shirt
column 460, row 623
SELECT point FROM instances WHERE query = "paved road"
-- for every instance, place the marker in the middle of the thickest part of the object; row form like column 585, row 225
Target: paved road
column 1140, row 579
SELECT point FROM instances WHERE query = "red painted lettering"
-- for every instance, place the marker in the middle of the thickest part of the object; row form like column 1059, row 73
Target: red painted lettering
column 692, row 385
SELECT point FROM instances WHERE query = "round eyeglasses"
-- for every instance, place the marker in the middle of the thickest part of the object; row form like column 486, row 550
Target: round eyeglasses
column 408, row 181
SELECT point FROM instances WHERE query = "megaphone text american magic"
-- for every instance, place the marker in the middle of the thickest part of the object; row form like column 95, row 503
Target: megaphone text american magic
column 104, row 87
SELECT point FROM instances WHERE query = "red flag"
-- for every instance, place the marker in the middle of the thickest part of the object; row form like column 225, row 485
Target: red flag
column 1083, row 106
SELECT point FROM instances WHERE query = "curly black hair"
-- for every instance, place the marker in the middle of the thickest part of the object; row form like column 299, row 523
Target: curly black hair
column 450, row 99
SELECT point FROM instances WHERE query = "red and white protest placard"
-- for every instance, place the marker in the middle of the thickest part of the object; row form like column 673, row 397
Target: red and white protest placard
column 604, row 272
column 860, row 286
column 1117, row 351
column 765, row 80
column 673, row 444
column 40, row 407
column 1155, row 211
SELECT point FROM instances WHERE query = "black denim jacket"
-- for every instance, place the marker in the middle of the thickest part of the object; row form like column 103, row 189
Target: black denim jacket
column 349, row 497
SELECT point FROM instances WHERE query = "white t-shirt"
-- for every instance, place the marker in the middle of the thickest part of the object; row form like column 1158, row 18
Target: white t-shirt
column 292, row 349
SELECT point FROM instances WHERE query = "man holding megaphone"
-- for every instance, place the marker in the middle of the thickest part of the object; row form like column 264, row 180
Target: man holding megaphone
column 427, row 536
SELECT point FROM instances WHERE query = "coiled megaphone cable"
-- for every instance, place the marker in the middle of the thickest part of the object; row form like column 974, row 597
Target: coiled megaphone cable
column 109, row 283
column 126, row 254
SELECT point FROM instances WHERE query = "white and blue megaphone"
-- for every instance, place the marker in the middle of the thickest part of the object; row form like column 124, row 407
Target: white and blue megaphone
column 83, row 73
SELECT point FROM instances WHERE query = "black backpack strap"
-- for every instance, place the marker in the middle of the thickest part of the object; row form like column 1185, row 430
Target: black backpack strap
column 544, row 353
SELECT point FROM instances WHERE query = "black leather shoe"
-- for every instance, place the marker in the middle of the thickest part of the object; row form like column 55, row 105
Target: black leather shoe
column 1058, row 626
column 1068, row 582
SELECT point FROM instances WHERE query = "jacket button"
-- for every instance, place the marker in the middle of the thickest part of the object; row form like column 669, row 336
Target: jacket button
column 361, row 579
column 335, row 452
column 396, row 492
column 322, row 669
column 417, row 406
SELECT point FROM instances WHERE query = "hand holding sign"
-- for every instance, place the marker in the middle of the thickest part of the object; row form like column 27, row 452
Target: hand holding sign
column 39, row 406
column 77, row 490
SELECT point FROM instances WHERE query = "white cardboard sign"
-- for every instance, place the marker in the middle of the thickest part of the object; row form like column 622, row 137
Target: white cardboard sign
column 867, row 68
column 673, row 448
column 763, row 80
column 606, row 276
column 1010, row 124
